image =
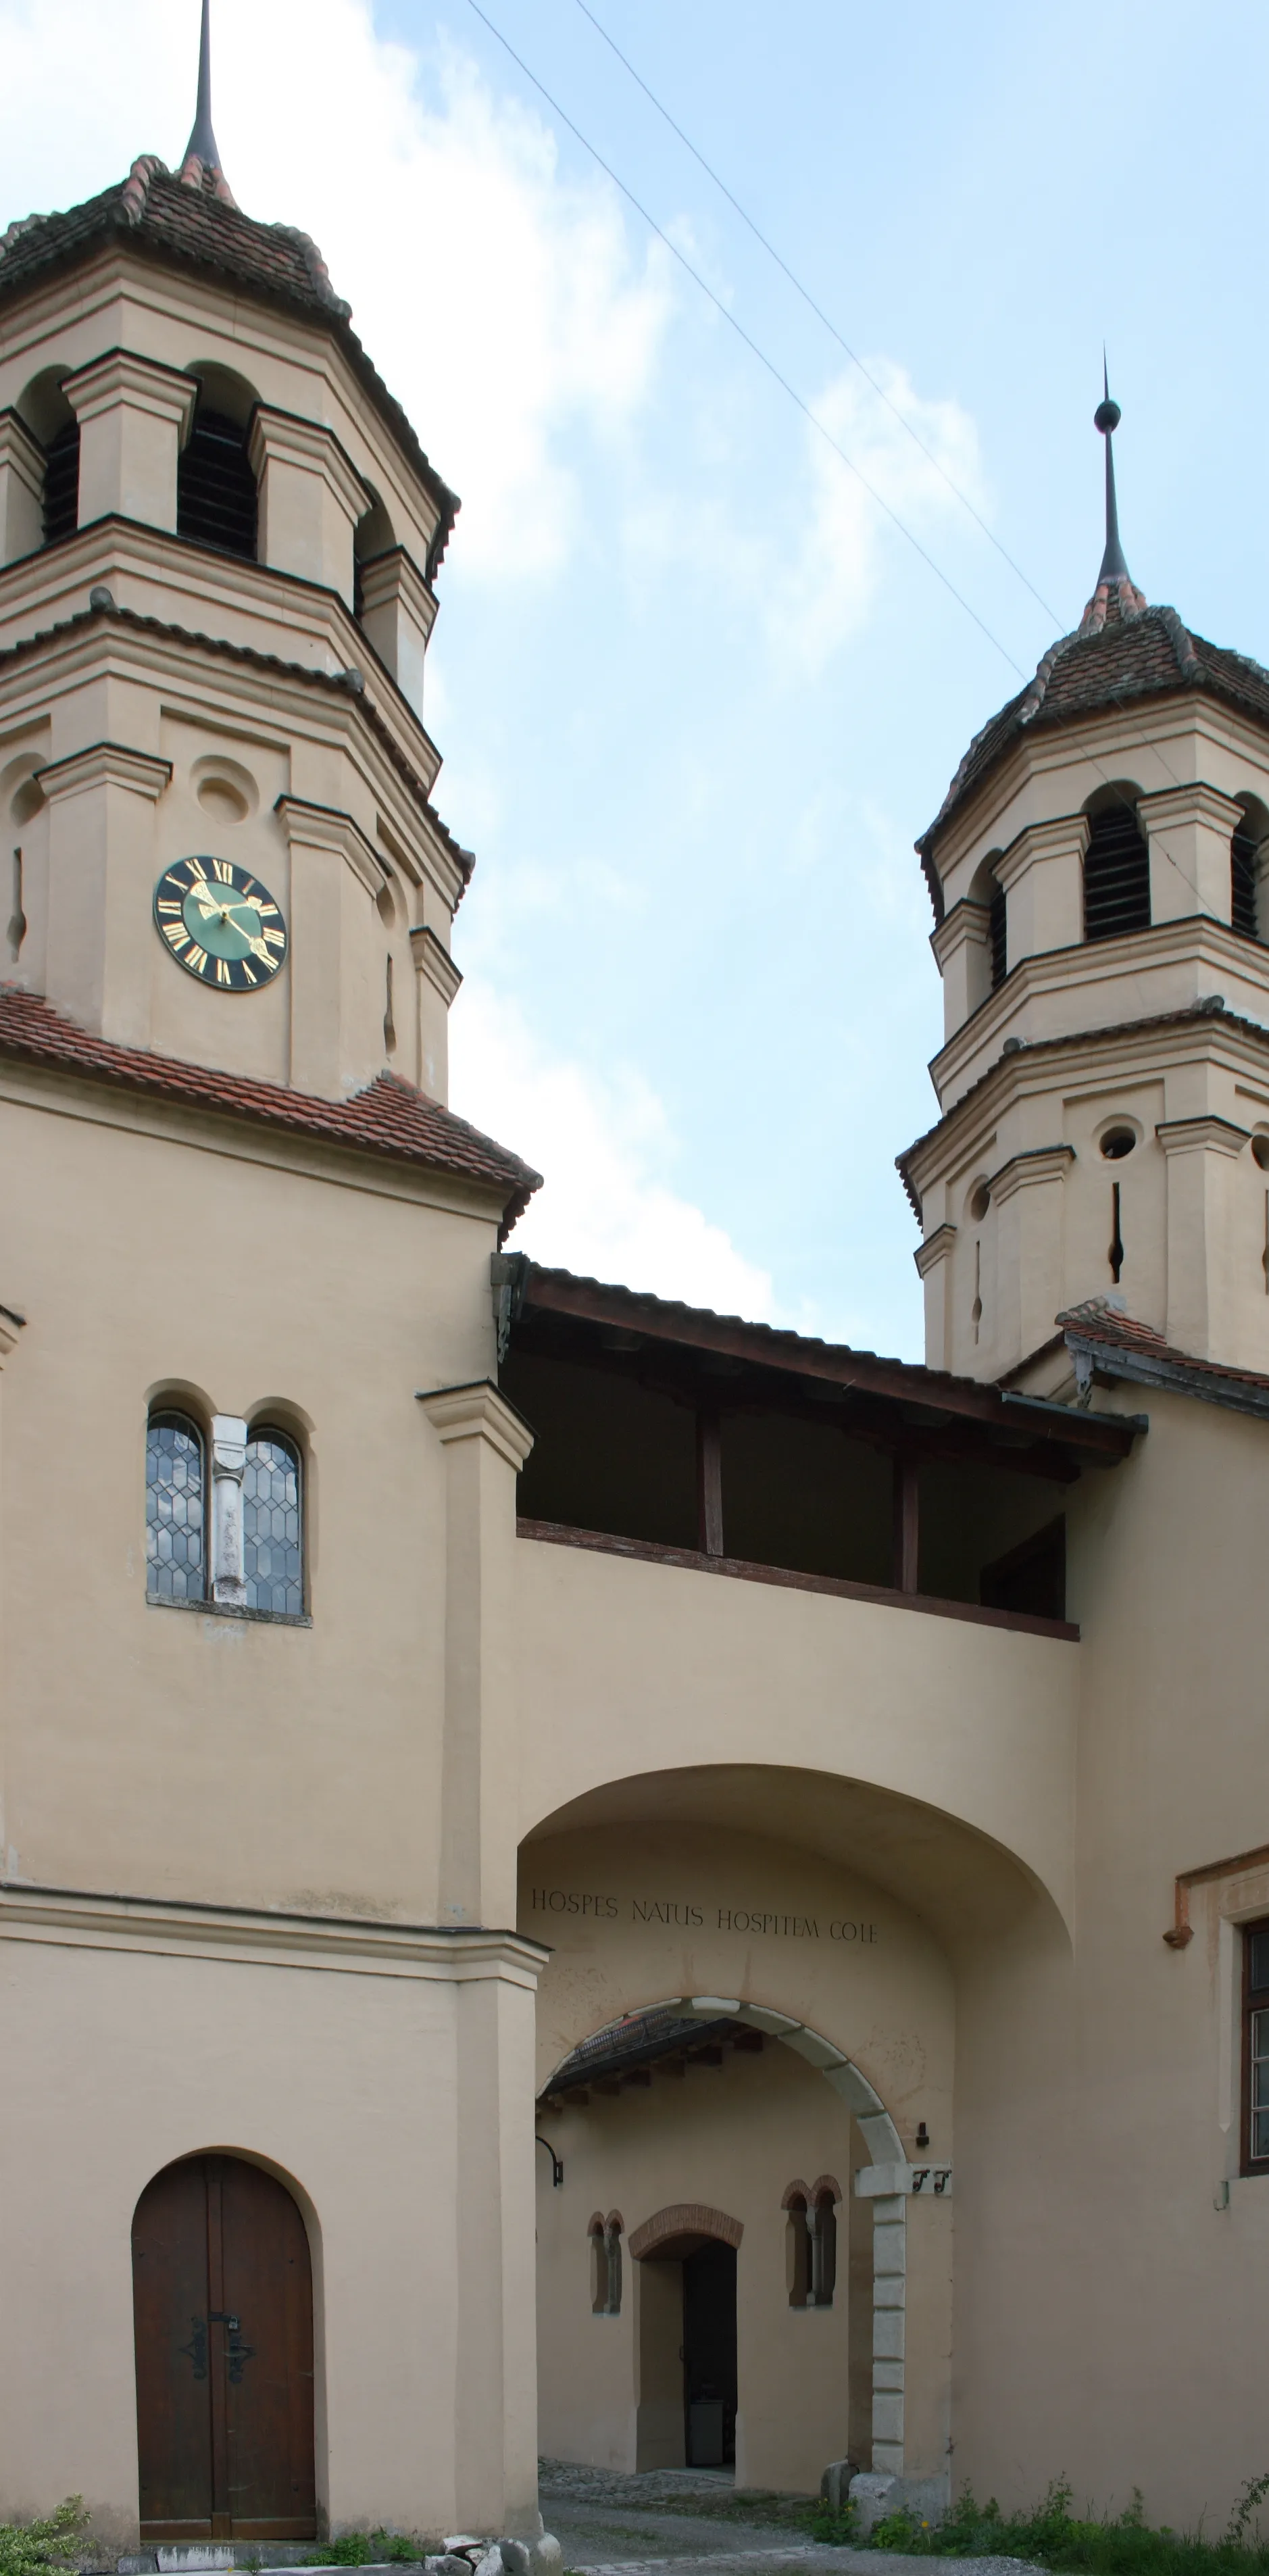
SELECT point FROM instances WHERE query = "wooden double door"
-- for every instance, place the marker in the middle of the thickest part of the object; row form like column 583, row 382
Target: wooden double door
column 222, row 2292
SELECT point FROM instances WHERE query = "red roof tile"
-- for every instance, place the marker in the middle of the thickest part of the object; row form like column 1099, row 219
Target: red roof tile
column 389, row 1118
column 1098, row 1322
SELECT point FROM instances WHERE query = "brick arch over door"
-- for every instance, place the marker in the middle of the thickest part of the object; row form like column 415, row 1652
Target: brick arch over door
column 684, row 2218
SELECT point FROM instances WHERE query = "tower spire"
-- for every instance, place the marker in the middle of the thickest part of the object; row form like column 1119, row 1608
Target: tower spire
column 1106, row 418
column 201, row 166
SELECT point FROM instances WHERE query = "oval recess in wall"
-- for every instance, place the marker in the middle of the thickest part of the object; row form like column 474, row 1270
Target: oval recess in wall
column 224, row 789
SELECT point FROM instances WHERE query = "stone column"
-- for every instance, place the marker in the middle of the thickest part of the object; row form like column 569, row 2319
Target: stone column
column 1189, row 830
column 889, row 2340
column 962, row 949
column 397, row 614
column 134, row 417
column 311, row 498
column 438, row 983
column 101, row 870
column 1030, row 1270
column 486, row 1444
column 21, row 489
column 1201, row 1310
column 1042, row 873
column 228, row 1468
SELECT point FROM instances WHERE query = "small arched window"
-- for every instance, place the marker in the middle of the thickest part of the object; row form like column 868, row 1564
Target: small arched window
column 605, row 2264
column 1116, row 869
column 175, row 1509
column 797, row 2250
column 822, row 2224
column 272, row 1524
column 217, row 503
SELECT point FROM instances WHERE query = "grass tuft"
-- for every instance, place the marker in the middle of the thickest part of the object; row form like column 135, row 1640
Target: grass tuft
column 1050, row 2535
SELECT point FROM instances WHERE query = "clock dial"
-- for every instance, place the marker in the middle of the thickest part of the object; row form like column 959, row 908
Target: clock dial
column 220, row 924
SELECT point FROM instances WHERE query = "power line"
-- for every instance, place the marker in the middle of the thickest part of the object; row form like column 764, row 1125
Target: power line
column 817, row 309
column 750, row 343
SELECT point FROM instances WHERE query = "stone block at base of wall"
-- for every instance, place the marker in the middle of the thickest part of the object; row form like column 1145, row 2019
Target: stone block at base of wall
column 875, row 2495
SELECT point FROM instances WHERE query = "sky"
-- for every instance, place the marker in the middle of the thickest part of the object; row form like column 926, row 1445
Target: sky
column 698, row 687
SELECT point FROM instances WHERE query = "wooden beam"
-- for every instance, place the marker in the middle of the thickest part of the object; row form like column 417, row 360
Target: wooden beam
column 905, row 1560
column 709, row 1482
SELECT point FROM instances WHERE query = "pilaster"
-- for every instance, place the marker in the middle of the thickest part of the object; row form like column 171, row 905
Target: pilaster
column 1027, row 1195
column 397, row 613
column 495, row 2393
column 962, row 949
column 933, row 1259
column 485, row 1444
column 134, row 417
column 21, row 489
column 1189, row 830
column 101, row 869
column 1201, row 1154
column 311, row 498
column 1042, row 873
column 438, row 983
column 336, row 998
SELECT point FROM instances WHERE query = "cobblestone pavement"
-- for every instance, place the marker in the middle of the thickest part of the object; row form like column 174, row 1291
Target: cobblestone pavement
column 610, row 2524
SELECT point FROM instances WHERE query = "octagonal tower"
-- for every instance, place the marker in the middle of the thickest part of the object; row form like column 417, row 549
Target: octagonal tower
column 1098, row 880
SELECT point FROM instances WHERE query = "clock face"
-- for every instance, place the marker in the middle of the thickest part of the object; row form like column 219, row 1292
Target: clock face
column 220, row 924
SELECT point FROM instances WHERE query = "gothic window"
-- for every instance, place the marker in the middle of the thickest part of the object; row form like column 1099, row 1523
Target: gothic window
column 272, row 1526
column 216, row 497
column 605, row 2264
column 175, row 1509
column 61, row 484
column 1116, row 871
column 797, row 2248
column 822, row 2226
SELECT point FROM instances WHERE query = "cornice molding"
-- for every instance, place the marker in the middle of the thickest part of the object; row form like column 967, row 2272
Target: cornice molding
column 327, row 827
column 257, row 1937
column 394, row 575
column 1060, row 836
column 1022, row 1171
column 123, row 373
column 965, row 922
column 1204, row 1134
column 433, row 960
column 478, row 1411
column 936, row 1247
column 21, row 451
column 284, row 437
column 105, row 764
column 1194, row 801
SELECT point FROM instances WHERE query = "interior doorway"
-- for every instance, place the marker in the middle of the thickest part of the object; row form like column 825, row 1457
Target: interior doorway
column 223, row 2315
column 709, row 2355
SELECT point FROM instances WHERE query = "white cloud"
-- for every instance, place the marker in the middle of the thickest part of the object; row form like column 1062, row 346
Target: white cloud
column 602, row 1146
column 503, row 303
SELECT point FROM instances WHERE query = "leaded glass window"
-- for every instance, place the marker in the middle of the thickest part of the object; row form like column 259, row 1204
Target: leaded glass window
column 1256, row 2049
column 273, row 1547
column 175, row 1510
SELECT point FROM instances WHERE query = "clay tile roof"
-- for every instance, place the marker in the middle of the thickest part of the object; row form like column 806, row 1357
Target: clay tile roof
column 1122, row 651
column 1106, row 1333
column 186, row 222
column 389, row 1118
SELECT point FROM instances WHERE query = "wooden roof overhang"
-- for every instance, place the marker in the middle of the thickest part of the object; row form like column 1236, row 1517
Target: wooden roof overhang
column 722, row 1364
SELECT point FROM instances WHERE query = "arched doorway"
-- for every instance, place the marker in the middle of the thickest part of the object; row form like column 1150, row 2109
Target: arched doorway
column 687, row 2337
column 222, row 2291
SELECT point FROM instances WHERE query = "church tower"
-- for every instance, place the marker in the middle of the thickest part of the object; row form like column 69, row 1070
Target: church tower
column 1097, row 876
column 222, row 538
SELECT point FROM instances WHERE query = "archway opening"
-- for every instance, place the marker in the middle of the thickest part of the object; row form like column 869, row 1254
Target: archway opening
column 222, row 2289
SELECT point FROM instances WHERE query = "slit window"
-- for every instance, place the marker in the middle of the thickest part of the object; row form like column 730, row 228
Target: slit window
column 1116, row 874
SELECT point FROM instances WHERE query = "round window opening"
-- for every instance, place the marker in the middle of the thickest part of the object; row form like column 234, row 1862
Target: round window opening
column 979, row 1201
column 1260, row 1151
column 1117, row 1142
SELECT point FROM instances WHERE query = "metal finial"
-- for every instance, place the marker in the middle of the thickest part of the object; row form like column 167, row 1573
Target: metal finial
column 1106, row 418
column 202, row 147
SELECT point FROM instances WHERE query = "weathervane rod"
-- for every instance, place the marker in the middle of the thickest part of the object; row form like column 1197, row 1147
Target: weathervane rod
column 202, row 148
column 1106, row 418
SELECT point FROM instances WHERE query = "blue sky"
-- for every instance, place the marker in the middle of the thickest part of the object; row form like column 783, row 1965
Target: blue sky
column 696, row 694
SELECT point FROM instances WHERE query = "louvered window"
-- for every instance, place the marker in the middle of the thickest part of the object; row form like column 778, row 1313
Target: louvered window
column 61, row 484
column 1242, row 853
column 216, row 499
column 998, row 934
column 1116, row 875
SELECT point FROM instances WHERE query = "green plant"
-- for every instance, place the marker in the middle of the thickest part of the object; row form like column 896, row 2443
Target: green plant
column 56, row 2541
column 366, row 2549
column 1051, row 2535
column 834, row 2523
